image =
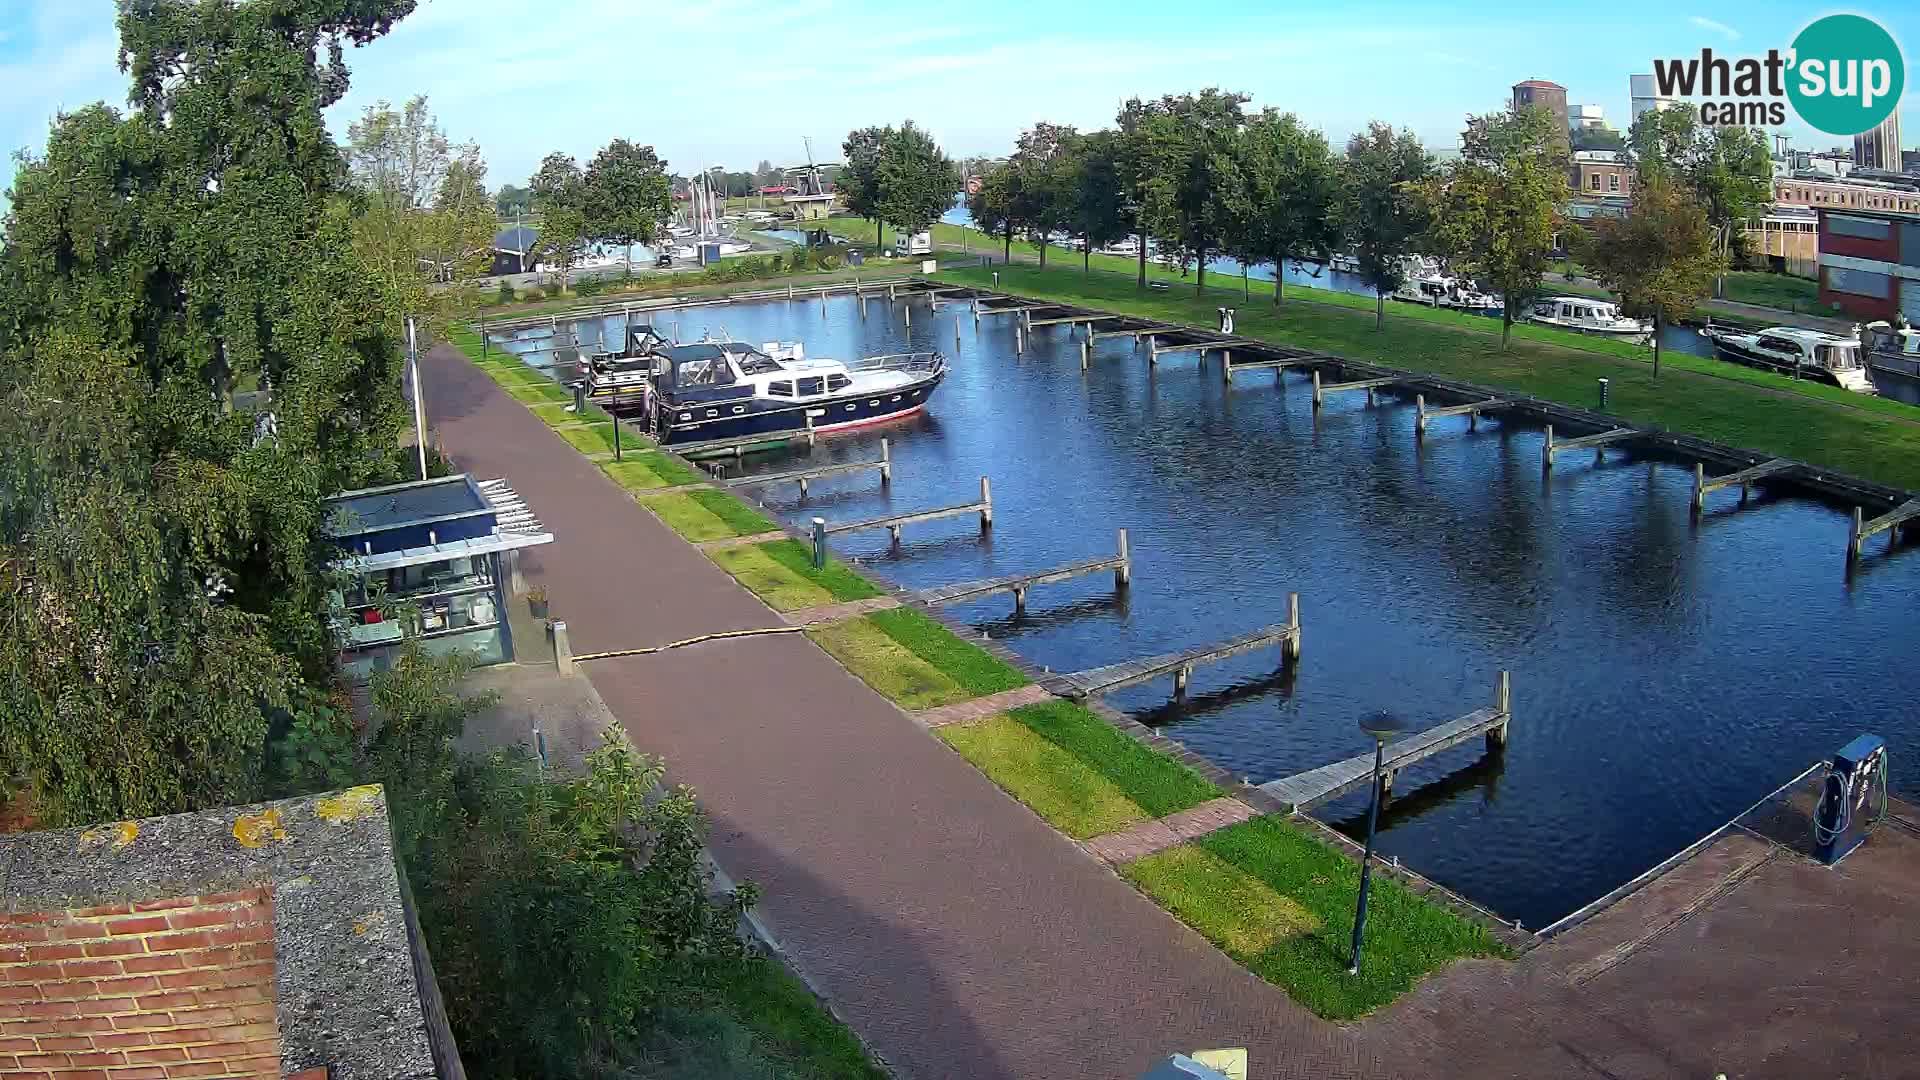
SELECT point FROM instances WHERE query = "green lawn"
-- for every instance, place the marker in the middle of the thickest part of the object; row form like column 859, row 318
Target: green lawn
column 542, row 392
column 645, row 471
column 597, row 437
column 766, row 1025
column 1774, row 290
column 781, row 572
column 1075, row 770
column 1871, row 437
column 978, row 671
column 705, row 515
column 1281, row 902
column 889, row 667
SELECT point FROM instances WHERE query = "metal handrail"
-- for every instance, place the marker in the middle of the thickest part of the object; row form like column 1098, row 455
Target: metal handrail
column 911, row 361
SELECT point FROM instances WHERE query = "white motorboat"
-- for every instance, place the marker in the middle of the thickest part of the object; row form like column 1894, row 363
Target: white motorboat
column 1129, row 247
column 1586, row 315
column 1792, row 350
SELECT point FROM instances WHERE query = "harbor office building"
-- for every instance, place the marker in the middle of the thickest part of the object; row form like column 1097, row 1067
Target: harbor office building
column 1870, row 263
column 429, row 560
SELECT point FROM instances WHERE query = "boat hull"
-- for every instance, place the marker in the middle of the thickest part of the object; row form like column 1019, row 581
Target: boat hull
column 701, row 421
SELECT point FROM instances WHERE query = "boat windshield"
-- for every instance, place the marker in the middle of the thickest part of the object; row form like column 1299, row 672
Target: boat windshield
column 759, row 364
column 1839, row 357
column 714, row 372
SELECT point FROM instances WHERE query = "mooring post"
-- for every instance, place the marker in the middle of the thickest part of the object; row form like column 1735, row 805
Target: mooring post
column 1699, row 487
column 1019, row 340
column 823, row 303
column 1420, row 414
column 886, row 464
column 1317, row 396
column 562, row 647
column 1854, row 544
column 909, row 309
column 810, row 432
column 803, row 487
column 789, row 290
column 1546, row 451
column 893, row 533
column 1123, row 574
column 890, row 294
column 1369, row 397
column 1502, row 704
column 986, row 505
column 1085, row 351
column 1473, row 420
column 1291, row 649
column 1226, row 365
column 1180, row 676
column 956, row 331
column 819, row 543
column 1019, row 600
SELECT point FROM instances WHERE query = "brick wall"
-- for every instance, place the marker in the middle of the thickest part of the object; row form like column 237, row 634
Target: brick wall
column 146, row 991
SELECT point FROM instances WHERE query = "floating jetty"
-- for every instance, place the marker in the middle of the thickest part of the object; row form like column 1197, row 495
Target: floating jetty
column 802, row 476
column 1120, row 563
column 1102, row 680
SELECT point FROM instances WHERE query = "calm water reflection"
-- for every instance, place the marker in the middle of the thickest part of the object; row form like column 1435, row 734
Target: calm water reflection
column 1666, row 674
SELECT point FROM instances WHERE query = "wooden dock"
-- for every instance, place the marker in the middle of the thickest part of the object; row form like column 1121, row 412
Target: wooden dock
column 1018, row 584
column 1585, row 442
column 1276, row 364
column 1303, row 791
column 1888, row 522
column 1471, row 410
column 1703, row 485
column 1069, row 320
column 1101, row 680
column 894, row 522
column 1320, row 389
column 802, row 476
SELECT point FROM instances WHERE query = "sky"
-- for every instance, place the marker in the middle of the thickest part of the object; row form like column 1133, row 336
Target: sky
column 732, row 82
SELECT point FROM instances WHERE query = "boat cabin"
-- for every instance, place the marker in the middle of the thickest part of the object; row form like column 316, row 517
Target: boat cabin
column 1808, row 348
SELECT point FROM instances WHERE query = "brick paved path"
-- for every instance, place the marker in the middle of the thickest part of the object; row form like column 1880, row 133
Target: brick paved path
column 954, row 930
column 1149, row 837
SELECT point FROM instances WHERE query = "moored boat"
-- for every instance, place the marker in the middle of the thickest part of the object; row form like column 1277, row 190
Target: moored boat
column 1793, row 350
column 726, row 389
column 1586, row 315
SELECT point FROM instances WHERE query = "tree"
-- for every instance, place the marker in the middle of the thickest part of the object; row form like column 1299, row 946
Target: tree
column 1186, row 161
column 993, row 206
column 859, row 180
column 1598, row 138
column 1044, row 192
column 560, row 198
column 1098, row 214
column 1280, row 195
column 765, row 175
column 1661, row 258
column 1380, row 211
column 512, row 201
column 1496, row 207
column 627, row 197
column 1727, row 170
column 915, row 182
column 423, row 218
column 161, row 555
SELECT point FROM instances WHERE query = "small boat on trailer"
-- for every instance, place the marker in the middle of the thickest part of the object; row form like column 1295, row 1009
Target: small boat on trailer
column 727, row 389
column 1795, row 351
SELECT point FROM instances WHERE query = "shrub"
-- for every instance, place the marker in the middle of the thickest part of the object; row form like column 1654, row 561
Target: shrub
column 506, row 291
column 588, row 287
column 534, row 293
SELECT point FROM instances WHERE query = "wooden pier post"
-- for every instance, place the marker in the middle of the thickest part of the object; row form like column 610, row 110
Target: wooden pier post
column 1317, row 397
column 1546, row 451
column 1291, row 650
column 1503, row 704
column 789, row 290
column 1180, row 677
column 890, row 294
column 1226, row 366
column 986, row 504
column 893, row 533
column 1019, row 600
column 1086, row 351
column 1019, row 340
column 1420, row 415
column 810, row 436
column 909, row 310
column 956, row 331
column 1699, row 487
column 819, row 543
column 886, row 464
column 803, row 487
column 1123, row 574
column 1856, row 541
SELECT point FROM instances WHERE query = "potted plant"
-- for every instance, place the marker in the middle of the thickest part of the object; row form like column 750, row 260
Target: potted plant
column 537, row 601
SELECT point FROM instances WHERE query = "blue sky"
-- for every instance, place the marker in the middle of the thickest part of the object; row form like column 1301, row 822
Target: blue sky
column 730, row 81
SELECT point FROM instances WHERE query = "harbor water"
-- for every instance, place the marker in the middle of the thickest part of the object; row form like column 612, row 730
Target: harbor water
column 1667, row 673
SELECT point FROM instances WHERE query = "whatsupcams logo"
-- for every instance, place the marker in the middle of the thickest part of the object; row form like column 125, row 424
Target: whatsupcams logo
column 1843, row 75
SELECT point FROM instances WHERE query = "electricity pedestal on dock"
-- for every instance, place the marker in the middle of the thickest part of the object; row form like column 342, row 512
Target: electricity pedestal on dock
column 1381, row 726
column 1603, row 393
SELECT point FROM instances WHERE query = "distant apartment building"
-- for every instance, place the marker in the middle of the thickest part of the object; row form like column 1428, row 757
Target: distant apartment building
column 1646, row 96
column 1550, row 96
column 1818, row 193
column 1879, row 147
column 1600, row 174
column 1589, row 116
column 1870, row 262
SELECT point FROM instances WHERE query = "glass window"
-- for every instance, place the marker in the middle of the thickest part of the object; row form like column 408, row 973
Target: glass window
column 1858, row 282
column 813, row 386
column 1596, row 181
column 1864, row 228
column 784, row 388
column 1613, row 182
column 1910, row 245
column 838, row 382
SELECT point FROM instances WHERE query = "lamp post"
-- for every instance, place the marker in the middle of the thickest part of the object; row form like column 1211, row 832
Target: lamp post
column 1381, row 726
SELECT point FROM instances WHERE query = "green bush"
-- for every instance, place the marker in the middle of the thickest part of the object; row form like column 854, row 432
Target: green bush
column 506, row 291
column 587, row 286
column 534, row 293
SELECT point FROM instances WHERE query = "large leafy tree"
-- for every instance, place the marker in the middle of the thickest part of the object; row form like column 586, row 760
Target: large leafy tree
column 1380, row 210
column 916, row 180
column 511, row 201
column 627, row 197
column 994, row 208
column 859, row 179
column 1726, row 170
column 1280, row 195
column 1187, row 165
column 560, row 197
column 1496, row 207
column 1662, row 257
column 1098, row 210
column 1043, row 163
column 161, row 556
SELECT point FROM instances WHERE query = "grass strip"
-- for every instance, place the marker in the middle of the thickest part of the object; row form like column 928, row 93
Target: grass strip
column 738, row 516
column 646, row 471
column 695, row 520
column 781, row 572
column 538, row 393
column 1407, row 936
column 1064, row 790
column 889, row 667
column 763, row 1024
column 978, row 671
column 1155, row 782
column 1871, row 437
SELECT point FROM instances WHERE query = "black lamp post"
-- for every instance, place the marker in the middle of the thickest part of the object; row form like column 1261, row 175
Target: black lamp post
column 1381, row 726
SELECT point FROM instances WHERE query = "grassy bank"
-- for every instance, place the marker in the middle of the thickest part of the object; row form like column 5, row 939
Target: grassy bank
column 1871, row 437
column 781, row 572
column 1774, row 290
column 913, row 660
column 767, row 1026
column 706, row 515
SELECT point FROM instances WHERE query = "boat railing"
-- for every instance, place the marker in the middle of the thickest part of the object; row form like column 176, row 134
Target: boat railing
column 910, row 361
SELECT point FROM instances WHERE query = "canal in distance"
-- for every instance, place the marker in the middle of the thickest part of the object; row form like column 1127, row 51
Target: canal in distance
column 1666, row 675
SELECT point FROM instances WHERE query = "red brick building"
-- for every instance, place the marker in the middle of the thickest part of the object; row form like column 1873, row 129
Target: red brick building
column 1870, row 262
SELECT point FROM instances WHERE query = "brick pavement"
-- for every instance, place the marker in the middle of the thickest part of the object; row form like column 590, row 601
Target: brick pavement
column 1149, row 837
column 827, row 613
column 966, row 712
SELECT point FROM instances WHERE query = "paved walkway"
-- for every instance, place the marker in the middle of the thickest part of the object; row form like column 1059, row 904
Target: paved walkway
column 957, row 932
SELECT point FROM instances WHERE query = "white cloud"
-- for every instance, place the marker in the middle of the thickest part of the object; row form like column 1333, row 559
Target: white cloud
column 1720, row 28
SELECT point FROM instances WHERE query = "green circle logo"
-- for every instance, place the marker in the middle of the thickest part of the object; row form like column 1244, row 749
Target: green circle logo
column 1847, row 74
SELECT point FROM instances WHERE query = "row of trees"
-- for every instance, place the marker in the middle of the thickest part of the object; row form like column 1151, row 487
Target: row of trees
column 897, row 176
column 623, row 197
column 1205, row 178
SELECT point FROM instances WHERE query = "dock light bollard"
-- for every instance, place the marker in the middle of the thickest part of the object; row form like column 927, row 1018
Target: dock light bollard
column 986, row 504
column 1123, row 574
column 562, row 647
column 580, row 397
column 1604, row 385
column 819, row 543
column 996, row 279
